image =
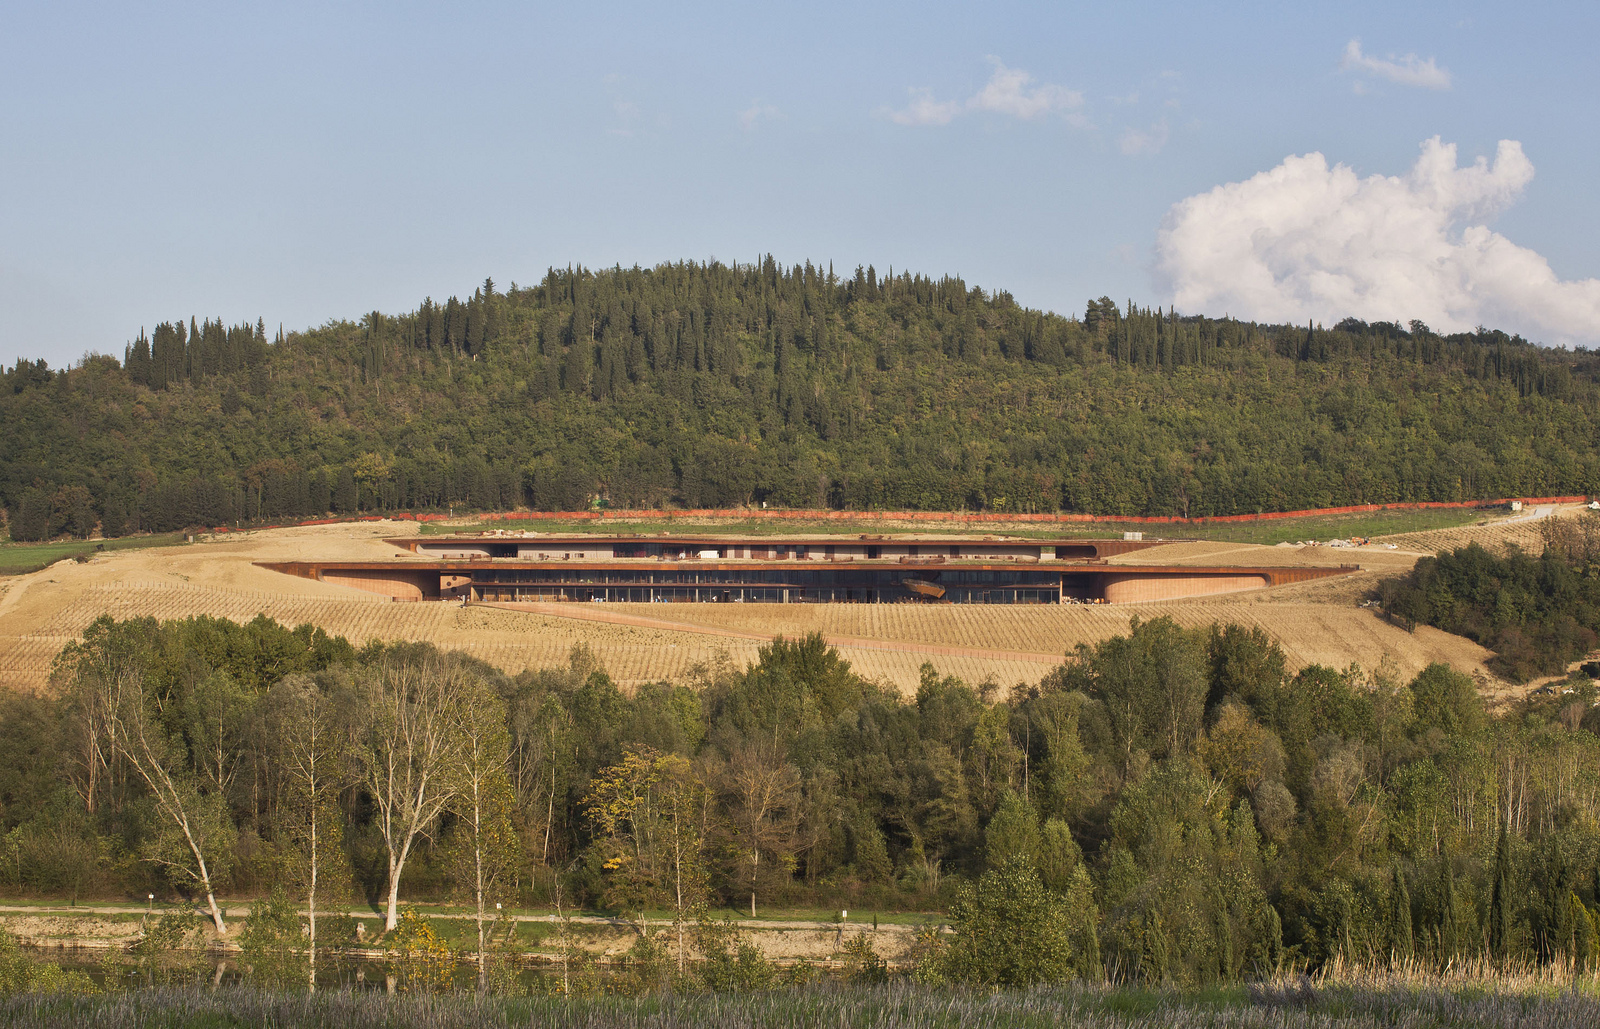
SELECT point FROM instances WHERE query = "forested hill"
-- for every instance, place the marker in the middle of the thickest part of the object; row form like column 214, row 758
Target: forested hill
column 711, row 385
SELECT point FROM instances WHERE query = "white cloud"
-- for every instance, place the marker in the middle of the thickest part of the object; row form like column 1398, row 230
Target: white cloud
column 925, row 110
column 1009, row 91
column 1306, row 241
column 755, row 114
column 1136, row 142
column 1409, row 70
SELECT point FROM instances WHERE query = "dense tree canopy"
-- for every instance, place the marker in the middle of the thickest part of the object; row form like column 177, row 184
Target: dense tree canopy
column 1167, row 805
column 713, row 385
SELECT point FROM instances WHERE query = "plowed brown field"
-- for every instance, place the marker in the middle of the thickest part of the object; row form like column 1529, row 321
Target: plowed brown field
column 1317, row 622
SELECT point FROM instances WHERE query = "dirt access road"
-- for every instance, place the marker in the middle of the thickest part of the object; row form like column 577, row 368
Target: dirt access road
column 784, row 940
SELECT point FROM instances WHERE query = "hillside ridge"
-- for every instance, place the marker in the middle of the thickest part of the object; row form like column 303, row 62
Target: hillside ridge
column 708, row 386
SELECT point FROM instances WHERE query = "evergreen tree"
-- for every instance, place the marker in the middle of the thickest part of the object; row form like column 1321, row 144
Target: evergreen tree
column 30, row 518
column 1502, row 913
column 1401, row 941
column 114, row 518
column 1585, row 937
column 345, row 494
column 1555, row 931
column 1449, row 929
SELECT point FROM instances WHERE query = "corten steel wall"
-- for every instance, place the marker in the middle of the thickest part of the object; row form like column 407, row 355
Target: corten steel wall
column 390, row 583
column 1140, row 589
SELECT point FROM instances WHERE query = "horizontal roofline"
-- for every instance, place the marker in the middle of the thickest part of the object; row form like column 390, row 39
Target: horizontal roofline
column 406, row 541
column 634, row 564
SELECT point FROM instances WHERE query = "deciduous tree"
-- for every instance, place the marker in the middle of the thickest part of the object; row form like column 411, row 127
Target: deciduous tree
column 410, row 750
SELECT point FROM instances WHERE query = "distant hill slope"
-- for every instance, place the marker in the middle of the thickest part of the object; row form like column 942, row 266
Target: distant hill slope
column 708, row 386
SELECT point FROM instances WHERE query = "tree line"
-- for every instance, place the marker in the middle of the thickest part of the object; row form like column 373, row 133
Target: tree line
column 1166, row 805
column 711, row 385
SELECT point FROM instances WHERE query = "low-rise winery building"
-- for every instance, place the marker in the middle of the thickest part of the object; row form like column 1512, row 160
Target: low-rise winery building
column 520, row 568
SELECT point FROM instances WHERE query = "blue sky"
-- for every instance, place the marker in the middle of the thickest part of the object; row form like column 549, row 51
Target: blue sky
column 305, row 163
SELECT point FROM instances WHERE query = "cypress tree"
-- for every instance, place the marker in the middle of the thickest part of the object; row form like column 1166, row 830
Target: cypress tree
column 1273, row 938
column 113, row 518
column 871, row 854
column 345, row 494
column 1449, row 929
column 1155, row 951
column 1501, row 916
column 1583, row 933
column 1227, row 967
column 30, row 520
column 1401, row 942
column 138, row 360
column 1553, row 927
column 193, row 365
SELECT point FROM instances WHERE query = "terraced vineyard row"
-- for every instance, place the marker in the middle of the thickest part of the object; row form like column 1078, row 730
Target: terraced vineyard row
column 1044, row 629
column 1309, row 633
column 1491, row 537
column 511, row 642
column 514, row 640
column 1051, row 629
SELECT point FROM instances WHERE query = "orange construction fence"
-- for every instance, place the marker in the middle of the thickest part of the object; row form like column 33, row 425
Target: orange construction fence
column 957, row 517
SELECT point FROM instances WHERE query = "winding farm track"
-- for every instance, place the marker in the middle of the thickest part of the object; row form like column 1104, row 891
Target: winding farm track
column 1316, row 623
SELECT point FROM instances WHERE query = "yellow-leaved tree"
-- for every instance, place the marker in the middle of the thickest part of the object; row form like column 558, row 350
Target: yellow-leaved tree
column 649, row 814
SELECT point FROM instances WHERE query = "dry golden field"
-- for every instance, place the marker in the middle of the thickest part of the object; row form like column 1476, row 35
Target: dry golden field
column 1317, row 622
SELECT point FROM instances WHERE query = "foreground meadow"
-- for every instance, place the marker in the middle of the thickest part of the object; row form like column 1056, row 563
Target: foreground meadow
column 1289, row 1006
